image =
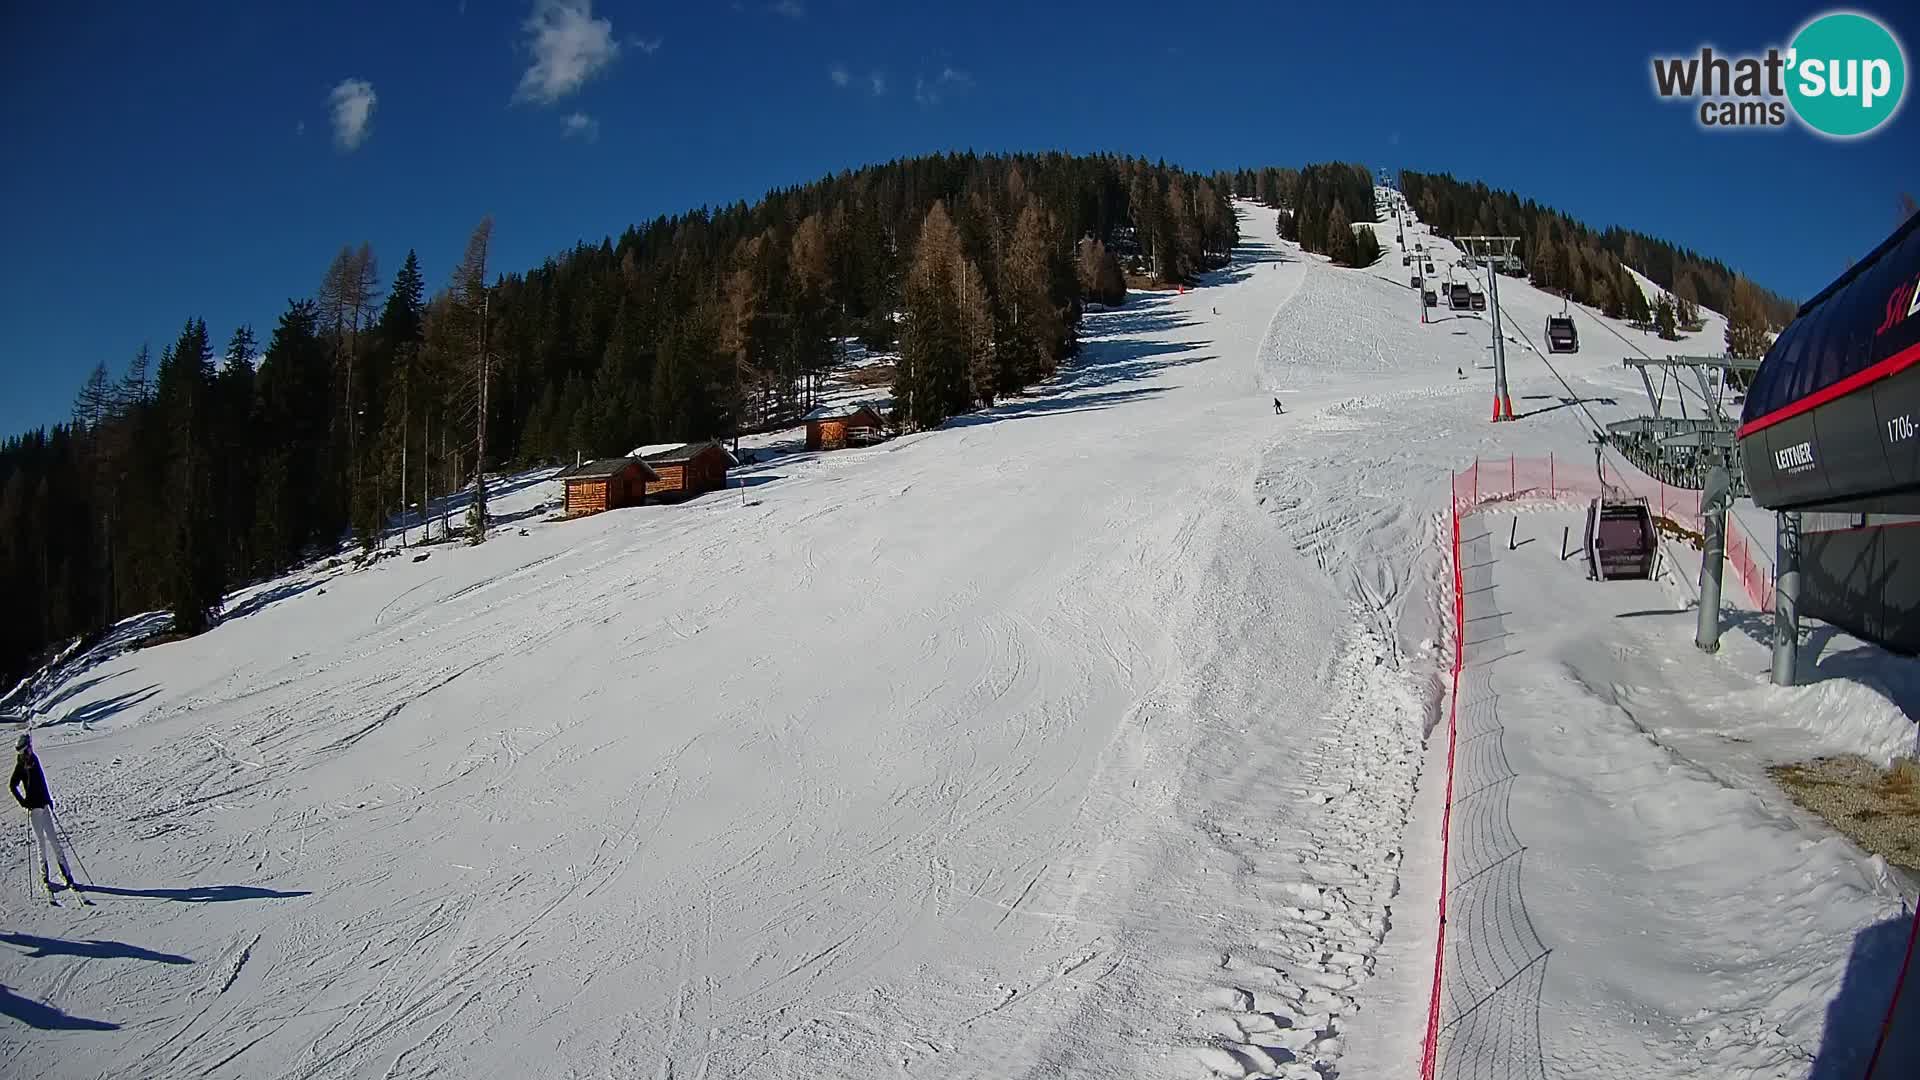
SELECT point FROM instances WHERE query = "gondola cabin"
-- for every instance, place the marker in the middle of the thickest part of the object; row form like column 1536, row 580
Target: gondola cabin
column 1458, row 297
column 605, row 484
column 832, row 427
column 688, row 470
column 1430, row 298
column 1561, row 336
column 1418, row 281
column 1621, row 541
column 1831, row 430
column 1476, row 299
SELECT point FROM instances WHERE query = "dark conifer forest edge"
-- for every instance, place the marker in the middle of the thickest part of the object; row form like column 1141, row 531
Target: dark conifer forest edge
column 187, row 474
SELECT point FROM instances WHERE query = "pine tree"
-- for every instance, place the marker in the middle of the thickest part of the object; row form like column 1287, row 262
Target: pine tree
column 94, row 403
column 234, row 443
column 1035, row 327
column 195, row 577
column 1366, row 247
column 1545, row 259
column 811, row 265
column 1339, row 236
column 1663, row 318
column 1748, row 332
column 1633, row 299
column 1099, row 273
column 1145, row 205
column 134, row 387
column 468, row 312
column 292, row 399
column 399, row 338
column 934, row 371
column 1686, row 301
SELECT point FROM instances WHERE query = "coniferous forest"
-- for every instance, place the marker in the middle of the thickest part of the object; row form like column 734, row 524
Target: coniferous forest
column 1566, row 256
column 186, row 472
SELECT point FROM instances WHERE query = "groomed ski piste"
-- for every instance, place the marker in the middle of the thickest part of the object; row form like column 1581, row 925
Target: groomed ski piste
column 1100, row 733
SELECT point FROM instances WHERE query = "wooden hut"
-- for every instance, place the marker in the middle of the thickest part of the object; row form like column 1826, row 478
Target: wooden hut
column 606, row 484
column 686, row 471
column 831, row 427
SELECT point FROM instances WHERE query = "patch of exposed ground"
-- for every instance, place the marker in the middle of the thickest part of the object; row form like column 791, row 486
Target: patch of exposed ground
column 1879, row 809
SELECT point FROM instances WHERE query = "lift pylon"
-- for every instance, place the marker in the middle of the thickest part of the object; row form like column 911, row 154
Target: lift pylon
column 1489, row 250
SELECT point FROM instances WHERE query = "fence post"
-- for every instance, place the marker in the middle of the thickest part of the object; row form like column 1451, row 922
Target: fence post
column 1513, row 476
column 1476, row 482
column 1553, row 487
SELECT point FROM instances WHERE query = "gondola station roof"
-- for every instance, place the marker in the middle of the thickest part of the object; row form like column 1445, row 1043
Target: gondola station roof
column 1832, row 420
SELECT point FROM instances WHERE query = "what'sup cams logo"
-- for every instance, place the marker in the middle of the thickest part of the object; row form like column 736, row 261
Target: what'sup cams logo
column 1843, row 76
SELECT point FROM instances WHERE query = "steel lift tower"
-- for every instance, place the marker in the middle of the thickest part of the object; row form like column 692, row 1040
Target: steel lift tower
column 1491, row 250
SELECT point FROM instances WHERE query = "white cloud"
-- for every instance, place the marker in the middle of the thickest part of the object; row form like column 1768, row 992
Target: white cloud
column 580, row 126
column 839, row 74
column 300, row 128
column 935, row 90
column 878, row 80
column 569, row 47
column 648, row 45
column 352, row 101
column 792, row 9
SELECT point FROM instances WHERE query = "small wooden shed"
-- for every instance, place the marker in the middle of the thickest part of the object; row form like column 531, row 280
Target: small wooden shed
column 831, row 427
column 689, row 470
column 606, row 484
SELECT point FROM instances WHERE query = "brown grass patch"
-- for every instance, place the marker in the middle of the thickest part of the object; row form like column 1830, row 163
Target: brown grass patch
column 1674, row 530
column 872, row 376
column 1879, row 809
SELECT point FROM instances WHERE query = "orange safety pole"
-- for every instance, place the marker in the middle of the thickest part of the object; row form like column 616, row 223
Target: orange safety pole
column 1553, row 487
column 1513, row 475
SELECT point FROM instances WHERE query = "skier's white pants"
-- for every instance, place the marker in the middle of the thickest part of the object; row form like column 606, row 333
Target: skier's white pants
column 50, row 851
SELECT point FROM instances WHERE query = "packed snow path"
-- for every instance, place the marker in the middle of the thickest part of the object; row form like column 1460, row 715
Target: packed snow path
column 1630, row 895
column 1077, row 737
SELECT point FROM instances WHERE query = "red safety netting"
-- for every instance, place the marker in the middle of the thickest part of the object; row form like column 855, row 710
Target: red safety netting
column 1491, row 482
column 1430, row 1045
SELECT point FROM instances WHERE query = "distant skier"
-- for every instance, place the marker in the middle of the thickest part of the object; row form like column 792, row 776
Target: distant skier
column 1277, row 410
column 29, row 787
column 1461, row 372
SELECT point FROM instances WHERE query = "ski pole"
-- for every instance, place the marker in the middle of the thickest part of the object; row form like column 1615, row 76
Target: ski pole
column 67, row 839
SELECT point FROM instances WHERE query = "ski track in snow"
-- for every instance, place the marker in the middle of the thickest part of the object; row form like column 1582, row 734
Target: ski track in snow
column 1078, row 737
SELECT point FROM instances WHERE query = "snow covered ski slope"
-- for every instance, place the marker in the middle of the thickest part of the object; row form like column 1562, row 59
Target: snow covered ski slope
column 1077, row 737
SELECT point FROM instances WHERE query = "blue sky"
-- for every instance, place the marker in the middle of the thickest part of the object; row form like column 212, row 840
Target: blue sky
column 170, row 161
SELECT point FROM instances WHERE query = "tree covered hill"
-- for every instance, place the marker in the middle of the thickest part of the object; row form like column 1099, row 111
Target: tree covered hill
column 185, row 476
column 201, row 469
column 1566, row 255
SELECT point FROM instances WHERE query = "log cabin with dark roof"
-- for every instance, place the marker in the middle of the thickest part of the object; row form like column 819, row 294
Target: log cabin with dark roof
column 832, row 427
column 688, row 471
column 606, row 484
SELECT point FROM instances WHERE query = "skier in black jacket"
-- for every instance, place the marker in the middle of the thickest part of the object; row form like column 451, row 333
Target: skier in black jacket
column 29, row 787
